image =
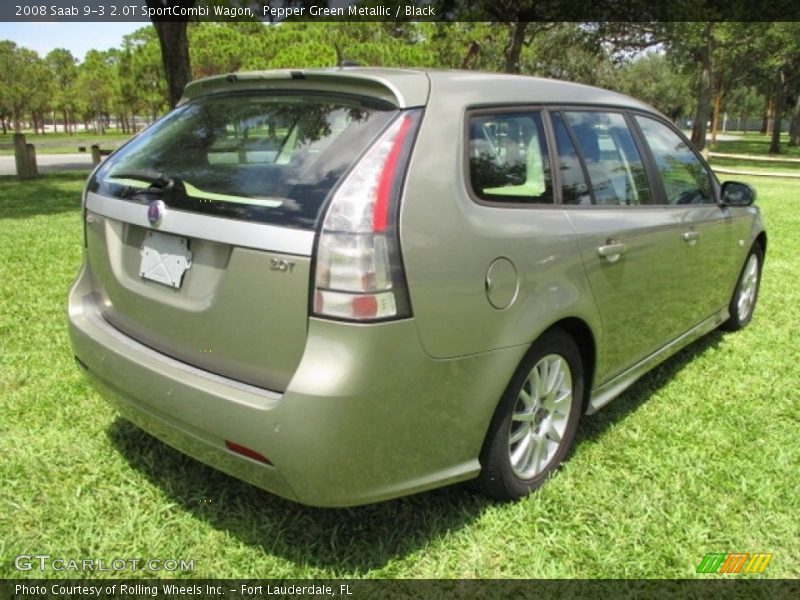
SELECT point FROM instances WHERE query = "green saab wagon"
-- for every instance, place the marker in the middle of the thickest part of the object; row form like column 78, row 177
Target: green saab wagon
column 351, row 284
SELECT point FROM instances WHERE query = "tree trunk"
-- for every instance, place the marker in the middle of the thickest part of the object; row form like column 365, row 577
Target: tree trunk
column 513, row 50
column 794, row 128
column 775, row 143
column 174, row 54
column 704, row 91
column 715, row 117
column 766, row 124
column 472, row 53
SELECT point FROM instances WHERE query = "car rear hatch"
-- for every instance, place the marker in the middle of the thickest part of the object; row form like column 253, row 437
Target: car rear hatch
column 200, row 231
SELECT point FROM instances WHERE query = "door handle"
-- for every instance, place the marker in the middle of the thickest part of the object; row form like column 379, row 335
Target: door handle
column 612, row 251
column 691, row 237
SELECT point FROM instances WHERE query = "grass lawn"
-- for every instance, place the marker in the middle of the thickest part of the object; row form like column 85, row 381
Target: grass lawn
column 767, row 168
column 62, row 143
column 757, row 144
column 700, row 456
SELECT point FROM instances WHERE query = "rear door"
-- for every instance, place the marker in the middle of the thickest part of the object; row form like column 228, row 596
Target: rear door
column 630, row 246
column 200, row 231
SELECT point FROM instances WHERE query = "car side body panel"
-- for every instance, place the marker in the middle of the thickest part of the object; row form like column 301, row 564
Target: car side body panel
column 453, row 314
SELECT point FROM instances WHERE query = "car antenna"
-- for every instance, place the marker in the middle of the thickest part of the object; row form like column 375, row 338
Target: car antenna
column 344, row 62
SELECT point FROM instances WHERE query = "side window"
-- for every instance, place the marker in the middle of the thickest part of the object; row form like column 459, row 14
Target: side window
column 685, row 178
column 573, row 182
column 508, row 159
column 615, row 168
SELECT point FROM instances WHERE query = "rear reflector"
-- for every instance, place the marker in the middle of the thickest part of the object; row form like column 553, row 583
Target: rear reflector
column 239, row 449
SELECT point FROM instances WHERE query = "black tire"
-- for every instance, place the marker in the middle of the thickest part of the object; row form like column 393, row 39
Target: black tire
column 505, row 477
column 745, row 296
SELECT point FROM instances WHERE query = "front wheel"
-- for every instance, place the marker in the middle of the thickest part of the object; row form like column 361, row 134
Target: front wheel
column 534, row 425
column 745, row 296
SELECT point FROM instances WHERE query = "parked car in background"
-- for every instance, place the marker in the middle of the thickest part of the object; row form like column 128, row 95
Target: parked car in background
column 348, row 285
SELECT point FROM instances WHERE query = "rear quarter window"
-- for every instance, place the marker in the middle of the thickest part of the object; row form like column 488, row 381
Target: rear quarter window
column 507, row 158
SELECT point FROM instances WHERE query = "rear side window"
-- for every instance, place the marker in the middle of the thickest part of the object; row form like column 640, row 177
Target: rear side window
column 612, row 159
column 267, row 158
column 685, row 178
column 573, row 182
column 508, row 161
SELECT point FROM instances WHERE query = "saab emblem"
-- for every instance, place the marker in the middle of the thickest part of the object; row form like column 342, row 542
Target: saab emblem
column 155, row 212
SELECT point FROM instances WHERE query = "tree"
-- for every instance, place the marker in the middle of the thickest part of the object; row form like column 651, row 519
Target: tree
column 24, row 85
column 142, row 85
column 174, row 39
column 10, row 77
column 653, row 78
column 571, row 52
column 794, row 126
column 64, row 73
column 463, row 45
column 781, row 51
column 39, row 87
column 519, row 18
column 146, row 72
column 97, row 78
column 744, row 101
column 693, row 45
column 174, row 43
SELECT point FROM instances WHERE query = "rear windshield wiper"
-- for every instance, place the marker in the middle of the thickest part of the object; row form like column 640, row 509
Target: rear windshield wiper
column 159, row 182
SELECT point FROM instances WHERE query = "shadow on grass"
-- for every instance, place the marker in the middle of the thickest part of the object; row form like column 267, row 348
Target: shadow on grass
column 349, row 541
column 592, row 427
column 51, row 194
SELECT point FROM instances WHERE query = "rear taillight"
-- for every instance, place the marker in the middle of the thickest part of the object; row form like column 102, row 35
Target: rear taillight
column 359, row 274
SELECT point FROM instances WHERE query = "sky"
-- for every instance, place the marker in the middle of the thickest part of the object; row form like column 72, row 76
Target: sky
column 78, row 38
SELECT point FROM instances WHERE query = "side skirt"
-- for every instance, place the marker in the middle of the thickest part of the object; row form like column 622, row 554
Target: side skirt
column 605, row 393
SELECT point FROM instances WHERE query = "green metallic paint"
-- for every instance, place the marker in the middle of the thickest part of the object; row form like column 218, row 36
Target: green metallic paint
column 354, row 413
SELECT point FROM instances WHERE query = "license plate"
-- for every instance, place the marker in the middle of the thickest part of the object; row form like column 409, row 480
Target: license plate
column 165, row 258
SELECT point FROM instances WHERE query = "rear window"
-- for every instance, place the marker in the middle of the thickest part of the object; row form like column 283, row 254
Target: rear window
column 266, row 158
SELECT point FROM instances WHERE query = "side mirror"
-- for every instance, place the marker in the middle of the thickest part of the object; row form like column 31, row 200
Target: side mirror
column 735, row 193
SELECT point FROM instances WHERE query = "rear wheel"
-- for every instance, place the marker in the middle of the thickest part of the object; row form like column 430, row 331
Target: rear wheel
column 745, row 296
column 533, row 428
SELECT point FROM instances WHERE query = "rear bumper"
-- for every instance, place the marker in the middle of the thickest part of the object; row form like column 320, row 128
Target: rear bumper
column 367, row 416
